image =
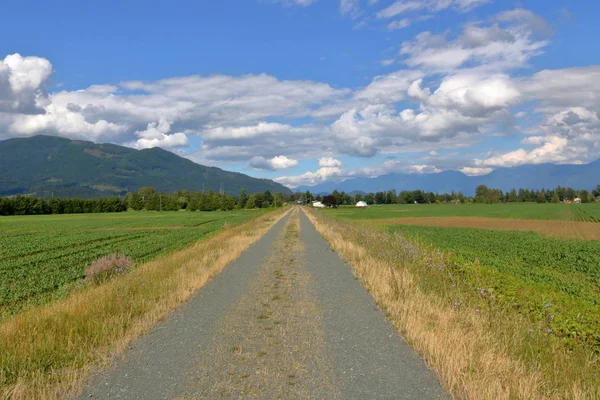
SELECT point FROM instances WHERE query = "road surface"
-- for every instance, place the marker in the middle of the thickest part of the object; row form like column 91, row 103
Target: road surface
column 286, row 320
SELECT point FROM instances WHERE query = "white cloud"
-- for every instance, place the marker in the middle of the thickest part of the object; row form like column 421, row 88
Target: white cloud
column 22, row 83
column 521, row 16
column 311, row 178
column 403, row 6
column 302, row 3
column 399, row 24
column 489, row 48
column 475, row 171
column 337, row 174
column 350, row 8
column 157, row 134
column 329, row 162
column 551, row 149
column 275, row 163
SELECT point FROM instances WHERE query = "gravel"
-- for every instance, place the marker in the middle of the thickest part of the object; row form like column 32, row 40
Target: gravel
column 287, row 319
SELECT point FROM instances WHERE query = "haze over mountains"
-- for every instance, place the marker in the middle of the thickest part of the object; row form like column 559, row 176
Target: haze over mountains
column 542, row 176
column 49, row 165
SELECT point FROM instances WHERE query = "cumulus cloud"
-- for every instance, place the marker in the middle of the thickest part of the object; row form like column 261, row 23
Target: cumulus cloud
column 551, row 149
column 329, row 162
column 23, row 83
column 273, row 164
column 335, row 172
column 475, row 171
column 157, row 134
column 311, row 178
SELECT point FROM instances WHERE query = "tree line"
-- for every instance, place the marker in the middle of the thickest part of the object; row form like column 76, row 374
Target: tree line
column 483, row 194
column 147, row 198
column 28, row 205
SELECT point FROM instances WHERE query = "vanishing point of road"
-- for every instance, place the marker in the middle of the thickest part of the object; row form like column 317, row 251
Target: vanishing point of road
column 286, row 320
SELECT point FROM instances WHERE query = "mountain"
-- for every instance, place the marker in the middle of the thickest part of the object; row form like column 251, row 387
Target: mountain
column 48, row 165
column 541, row 176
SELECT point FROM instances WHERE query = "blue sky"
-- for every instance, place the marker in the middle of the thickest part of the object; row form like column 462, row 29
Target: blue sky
column 304, row 91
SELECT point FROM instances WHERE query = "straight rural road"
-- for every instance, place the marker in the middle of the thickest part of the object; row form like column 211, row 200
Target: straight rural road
column 286, row 320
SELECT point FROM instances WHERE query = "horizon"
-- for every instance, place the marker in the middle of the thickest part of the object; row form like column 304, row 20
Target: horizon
column 307, row 91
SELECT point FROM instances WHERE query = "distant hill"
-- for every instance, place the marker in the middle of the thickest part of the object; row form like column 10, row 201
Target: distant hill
column 541, row 176
column 47, row 165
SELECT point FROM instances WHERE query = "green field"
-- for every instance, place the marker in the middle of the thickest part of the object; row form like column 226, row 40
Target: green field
column 553, row 280
column 42, row 256
column 572, row 212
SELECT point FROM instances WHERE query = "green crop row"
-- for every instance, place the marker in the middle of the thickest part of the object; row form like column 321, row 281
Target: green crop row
column 553, row 280
column 42, row 256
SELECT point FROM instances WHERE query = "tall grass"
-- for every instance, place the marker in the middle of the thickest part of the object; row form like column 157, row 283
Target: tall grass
column 479, row 347
column 47, row 352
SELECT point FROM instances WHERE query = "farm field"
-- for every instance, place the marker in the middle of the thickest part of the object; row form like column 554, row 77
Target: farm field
column 42, row 256
column 589, row 212
column 526, row 269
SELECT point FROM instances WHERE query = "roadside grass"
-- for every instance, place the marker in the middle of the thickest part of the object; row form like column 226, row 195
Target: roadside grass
column 479, row 343
column 46, row 352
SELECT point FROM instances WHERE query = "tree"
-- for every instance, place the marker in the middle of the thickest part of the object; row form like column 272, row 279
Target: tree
column 596, row 192
column 243, row 198
column 330, row 201
column 267, row 196
column 309, row 197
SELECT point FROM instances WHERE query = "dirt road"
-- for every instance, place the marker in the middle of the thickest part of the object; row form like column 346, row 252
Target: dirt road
column 286, row 320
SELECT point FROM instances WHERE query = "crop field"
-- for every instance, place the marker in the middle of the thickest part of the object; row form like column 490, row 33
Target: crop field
column 553, row 279
column 589, row 212
column 42, row 256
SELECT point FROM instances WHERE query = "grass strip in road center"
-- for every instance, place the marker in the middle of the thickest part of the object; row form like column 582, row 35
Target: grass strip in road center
column 46, row 352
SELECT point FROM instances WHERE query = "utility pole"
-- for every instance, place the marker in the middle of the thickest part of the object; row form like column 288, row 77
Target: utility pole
column 160, row 202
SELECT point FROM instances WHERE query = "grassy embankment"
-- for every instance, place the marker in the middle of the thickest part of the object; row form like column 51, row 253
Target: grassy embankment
column 494, row 325
column 48, row 350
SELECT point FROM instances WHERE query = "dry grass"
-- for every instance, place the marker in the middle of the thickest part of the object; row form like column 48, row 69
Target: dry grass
column 47, row 352
column 472, row 353
column 564, row 228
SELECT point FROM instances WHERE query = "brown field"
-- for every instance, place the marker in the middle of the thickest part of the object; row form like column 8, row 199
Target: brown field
column 571, row 229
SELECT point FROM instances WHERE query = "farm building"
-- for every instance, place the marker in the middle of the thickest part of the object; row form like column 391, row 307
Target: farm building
column 577, row 200
column 318, row 204
column 361, row 204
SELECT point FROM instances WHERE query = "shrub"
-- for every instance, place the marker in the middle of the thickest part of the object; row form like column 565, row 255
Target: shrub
column 107, row 267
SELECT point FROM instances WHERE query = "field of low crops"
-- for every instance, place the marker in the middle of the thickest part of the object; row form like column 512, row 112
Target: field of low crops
column 555, row 280
column 571, row 212
column 526, row 270
column 42, row 256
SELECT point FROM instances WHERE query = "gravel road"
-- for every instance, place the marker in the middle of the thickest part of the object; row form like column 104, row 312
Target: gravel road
column 286, row 320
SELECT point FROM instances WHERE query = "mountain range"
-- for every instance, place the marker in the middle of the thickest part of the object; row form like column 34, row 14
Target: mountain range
column 540, row 176
column 52, row 166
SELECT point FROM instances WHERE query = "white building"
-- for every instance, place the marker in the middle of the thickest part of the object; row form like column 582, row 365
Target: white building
column 318, row 204
column 361, row 204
